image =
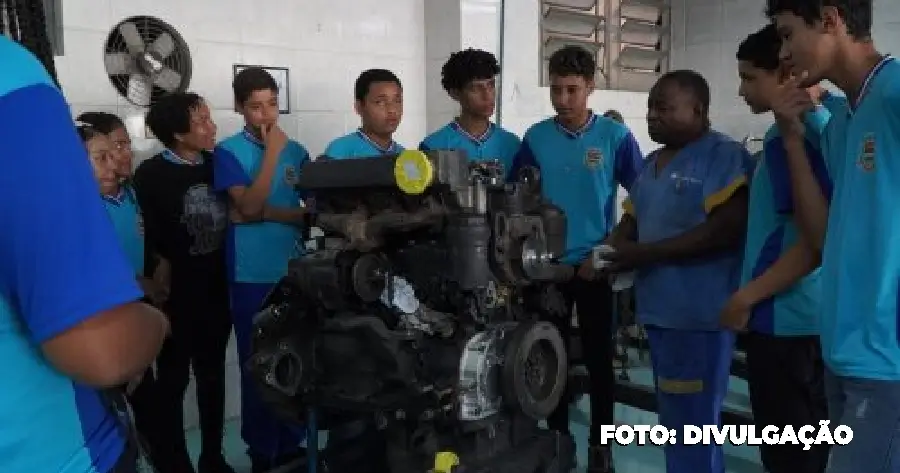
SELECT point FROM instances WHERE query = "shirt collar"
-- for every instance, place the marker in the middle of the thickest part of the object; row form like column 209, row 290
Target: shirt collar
column 252, row 138
column 592, row 118
column 867, row 84
column 392, row 147
column 478, row 140
column 173, row 157
column 123, row 195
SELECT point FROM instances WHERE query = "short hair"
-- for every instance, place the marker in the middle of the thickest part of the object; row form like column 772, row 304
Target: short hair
column 691, row 81
column 87, row 132
column 857, row 14
column 171, row 115
column 466, row 66
column 573, row 61
column 367, row 78
column 103, row 122
column 761, row 49
column 614, row 115
column 250, row 80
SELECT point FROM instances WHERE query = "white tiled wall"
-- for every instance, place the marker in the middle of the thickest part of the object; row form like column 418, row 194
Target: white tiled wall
column 709, row 47
column 325, row 43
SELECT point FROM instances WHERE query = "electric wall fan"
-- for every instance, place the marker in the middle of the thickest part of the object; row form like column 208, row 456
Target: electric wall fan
column 146, row 58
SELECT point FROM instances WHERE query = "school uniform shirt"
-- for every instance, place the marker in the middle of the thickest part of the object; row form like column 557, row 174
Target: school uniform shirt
column 771, row 231
column 185, row 222
column 259, row 252
column 671, row 201
column 126, row 216
column 60, row 265
column 359, row 145
column 579, row 172
column 495, row 144
column 861, row 257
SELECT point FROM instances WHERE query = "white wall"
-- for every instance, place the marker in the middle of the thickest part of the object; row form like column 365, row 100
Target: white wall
column 325, row 43
column 706, row 35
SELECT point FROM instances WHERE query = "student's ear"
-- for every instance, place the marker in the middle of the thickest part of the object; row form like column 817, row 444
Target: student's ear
column 590, row 86
column 358, row 106
column 454, row 94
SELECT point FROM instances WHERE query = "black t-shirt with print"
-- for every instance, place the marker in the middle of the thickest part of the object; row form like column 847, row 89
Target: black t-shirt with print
column 185, row 223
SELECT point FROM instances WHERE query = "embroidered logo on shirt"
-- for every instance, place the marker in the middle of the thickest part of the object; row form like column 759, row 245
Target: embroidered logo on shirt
column 593, row 158
column 290, row 176
column 866, row 160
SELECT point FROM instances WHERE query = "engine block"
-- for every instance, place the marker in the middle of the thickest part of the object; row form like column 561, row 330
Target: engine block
column 423, row 305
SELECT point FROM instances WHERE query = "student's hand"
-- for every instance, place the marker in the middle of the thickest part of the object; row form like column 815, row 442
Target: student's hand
column 789, row 103
column 153, row 291
column 162, row 278
column 736, row 313
column 586, row 271
column 273, row 138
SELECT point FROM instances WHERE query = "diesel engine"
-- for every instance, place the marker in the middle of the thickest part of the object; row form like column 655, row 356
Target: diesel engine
column 424, row 306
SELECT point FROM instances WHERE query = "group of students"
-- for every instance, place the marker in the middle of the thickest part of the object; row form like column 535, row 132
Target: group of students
column 798, row 247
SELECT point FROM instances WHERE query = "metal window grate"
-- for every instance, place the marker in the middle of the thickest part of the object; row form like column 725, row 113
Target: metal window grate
column 630, row 38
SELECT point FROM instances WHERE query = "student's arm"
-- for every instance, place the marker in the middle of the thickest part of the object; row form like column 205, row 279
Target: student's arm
column 811, row 194
column 248, row 196
column 523, row 158
column 725, row 200
column 628, row 161
column 794, row 264
column 61, row 265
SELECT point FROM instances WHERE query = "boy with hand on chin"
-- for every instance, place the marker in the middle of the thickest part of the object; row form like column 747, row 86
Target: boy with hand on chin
column 258, row 168
column 379, row 103
column 858, row 226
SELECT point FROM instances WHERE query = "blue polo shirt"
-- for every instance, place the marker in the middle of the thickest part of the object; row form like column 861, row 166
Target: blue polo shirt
column 771, row 231
column 359, row 145
column 60, row 264
column 580, row 171
column 495, row 144
column 258, row 252
column 667, row 203
column 126, row 216
column 861, row 256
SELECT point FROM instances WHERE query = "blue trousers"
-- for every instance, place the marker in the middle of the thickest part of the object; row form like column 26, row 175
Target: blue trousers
column 872, row 410
column 691, row 370
column 265, row 435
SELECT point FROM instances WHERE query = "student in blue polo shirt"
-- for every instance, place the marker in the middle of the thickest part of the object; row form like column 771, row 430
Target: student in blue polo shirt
column 258, row 168
column 70, row 323
column 470, row 78
column 379, row 104
column 582, row 159
column 859, row 227
column 780, row 291
column 683, row 232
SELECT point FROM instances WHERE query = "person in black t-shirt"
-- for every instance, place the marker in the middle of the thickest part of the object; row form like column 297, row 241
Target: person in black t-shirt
column 185, row 225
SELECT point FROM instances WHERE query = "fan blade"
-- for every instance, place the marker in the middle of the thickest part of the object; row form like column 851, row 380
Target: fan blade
column 132, row 37
column 140, row 90
column 118, row 63
column 164, row 45
column 167, row 79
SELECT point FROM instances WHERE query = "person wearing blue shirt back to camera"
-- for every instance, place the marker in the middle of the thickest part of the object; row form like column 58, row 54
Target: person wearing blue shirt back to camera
column 683, row 232
column 470, row 77
column 379, row 104
column 582, row 157
column 259, row 167
column 858, row 228
column 70, row 323
column 780, row 287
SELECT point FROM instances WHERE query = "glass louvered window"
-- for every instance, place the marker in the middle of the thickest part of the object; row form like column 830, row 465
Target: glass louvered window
column 629, row 37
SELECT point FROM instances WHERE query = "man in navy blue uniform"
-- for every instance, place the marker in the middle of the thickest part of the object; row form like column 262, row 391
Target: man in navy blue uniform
column 582, row 159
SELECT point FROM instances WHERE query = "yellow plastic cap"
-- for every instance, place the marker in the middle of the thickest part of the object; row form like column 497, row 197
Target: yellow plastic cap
column 413, row 172
column 445, row 461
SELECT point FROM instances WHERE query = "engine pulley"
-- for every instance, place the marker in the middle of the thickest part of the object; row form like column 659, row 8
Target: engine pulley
column 535, row 369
